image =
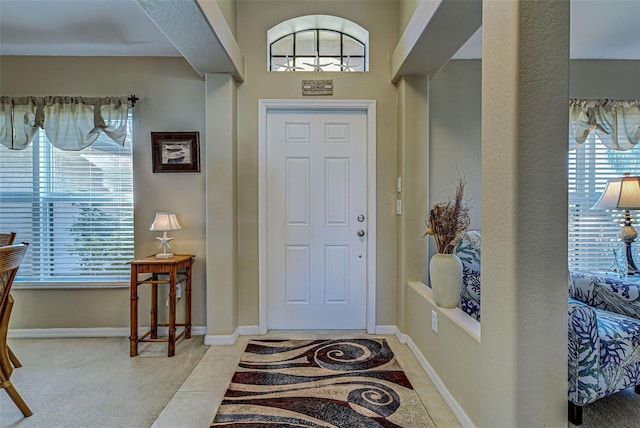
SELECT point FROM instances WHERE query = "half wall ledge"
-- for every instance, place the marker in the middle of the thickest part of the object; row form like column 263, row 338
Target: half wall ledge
column 456, row 315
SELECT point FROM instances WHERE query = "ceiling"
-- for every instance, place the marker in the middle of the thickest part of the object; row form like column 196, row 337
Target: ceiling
column 79, row 28
column 600, row 29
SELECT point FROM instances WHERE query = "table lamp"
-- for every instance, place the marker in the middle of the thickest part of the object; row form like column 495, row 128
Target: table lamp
column 623, row 194
column 162, row 223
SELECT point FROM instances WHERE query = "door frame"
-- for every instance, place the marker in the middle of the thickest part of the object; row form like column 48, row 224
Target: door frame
column 369, row 107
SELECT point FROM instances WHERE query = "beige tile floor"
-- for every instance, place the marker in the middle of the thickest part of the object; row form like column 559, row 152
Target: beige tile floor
column 196, row 402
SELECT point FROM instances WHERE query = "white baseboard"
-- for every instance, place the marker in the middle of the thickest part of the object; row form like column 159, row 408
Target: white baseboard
column 254, row 330
column 222, row 339
column 455, row 407
column 249, row 330
column 386, row 329
column 46, row 333
column 392, row 329
column 49, row 333
column 230, row 339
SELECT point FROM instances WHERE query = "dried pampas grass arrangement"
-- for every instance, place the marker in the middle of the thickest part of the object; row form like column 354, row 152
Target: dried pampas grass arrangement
column 448, row 222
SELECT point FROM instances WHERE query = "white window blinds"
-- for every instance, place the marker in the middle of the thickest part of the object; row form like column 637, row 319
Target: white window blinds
column 594, row 234
column 74, row 207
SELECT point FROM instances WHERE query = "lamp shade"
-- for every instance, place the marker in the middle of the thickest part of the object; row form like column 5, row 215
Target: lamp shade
column 620, row 193
column 165, row 221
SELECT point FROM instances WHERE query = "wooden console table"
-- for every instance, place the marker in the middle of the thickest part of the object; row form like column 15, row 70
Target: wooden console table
column 179, row 269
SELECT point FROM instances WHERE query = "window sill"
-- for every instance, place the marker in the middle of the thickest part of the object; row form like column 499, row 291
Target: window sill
column 69, row 285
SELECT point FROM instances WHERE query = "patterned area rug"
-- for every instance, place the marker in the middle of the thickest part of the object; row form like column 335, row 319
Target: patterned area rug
column 320, row 383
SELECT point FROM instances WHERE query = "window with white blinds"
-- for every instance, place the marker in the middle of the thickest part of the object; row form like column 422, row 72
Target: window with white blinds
column 594, row 234
column 74, row 207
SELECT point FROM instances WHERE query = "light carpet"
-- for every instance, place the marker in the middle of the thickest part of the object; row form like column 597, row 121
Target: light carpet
column 620, row 410
column 320, row 383
column 93, row 383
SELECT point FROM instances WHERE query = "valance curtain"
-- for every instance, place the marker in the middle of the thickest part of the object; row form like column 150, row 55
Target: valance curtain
column 616, row 123
column 70, row 123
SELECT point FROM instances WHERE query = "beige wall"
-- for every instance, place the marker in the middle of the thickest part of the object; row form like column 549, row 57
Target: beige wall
column 254, row 18
column 441, row 118
column 406, row 8
column 454, row 135
column 525, row 91
column 171, row 99
column 228, row 8
column 456, row 90
column 221, row 200
column 610, row 79
column 454, row 117
column 413, row 156
column 452, row 352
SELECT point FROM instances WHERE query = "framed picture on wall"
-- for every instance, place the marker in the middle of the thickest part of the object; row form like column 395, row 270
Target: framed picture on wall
column 175, row 151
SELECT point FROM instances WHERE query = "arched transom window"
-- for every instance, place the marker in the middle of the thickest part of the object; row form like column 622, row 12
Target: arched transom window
column 318, row 43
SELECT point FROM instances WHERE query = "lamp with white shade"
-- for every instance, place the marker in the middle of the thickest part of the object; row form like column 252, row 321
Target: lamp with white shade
column 165, row 222
column 623, row 194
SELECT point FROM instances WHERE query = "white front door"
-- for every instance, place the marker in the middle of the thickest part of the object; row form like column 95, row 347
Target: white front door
column 316, row 219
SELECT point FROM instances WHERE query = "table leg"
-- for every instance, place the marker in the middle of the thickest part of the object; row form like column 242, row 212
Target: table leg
column 133, row 321
column 172, row 312
column 187, row 310
column 154, row 309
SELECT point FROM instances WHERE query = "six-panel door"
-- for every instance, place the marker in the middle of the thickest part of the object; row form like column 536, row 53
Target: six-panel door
column 316, row 219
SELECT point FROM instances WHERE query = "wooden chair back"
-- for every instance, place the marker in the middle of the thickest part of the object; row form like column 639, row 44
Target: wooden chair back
column 10, row 258
column 7, row 238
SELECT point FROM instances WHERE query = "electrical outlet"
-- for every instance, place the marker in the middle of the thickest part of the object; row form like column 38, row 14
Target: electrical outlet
column 434, row 321
column 398, row 207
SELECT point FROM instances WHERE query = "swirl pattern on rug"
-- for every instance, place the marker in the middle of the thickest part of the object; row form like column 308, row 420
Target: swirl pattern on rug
column 320, row 383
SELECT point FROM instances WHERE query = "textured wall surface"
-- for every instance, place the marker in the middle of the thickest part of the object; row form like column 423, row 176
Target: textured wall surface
column 254, row 19
column 524, row 246
column 221, row 205
column 413, row 159
column 458, row 84
column 171, row 99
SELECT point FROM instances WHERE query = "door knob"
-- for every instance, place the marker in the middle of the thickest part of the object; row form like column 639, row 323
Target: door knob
column 361, row 233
